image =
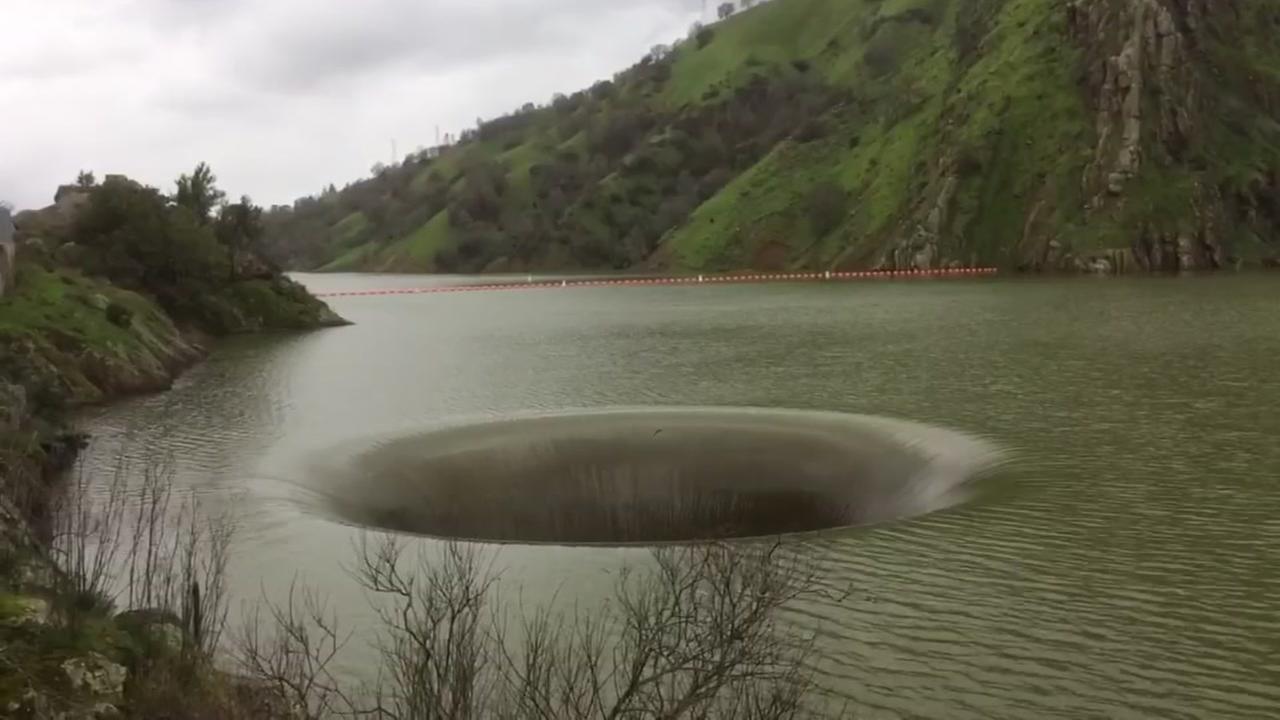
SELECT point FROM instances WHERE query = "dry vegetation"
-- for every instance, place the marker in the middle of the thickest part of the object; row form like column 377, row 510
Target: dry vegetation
column 693, row 634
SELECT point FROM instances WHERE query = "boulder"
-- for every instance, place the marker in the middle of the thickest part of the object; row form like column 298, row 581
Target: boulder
column 104, row 711
column 96, row 675
column 161, row 632
column 31, row 704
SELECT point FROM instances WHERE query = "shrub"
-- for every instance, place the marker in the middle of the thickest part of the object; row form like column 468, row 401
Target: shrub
column 811, row 130
column 705, row 36
column 119, row 315
column 827, row 205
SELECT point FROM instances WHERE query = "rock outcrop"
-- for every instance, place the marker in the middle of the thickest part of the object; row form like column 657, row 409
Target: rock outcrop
column 1170, row 109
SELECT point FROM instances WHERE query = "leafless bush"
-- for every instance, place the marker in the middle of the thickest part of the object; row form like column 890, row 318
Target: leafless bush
column 437, row 649
column 695, row 636
column 289, row 650
column 176, row 559
column 128, row 542
column 87, row 539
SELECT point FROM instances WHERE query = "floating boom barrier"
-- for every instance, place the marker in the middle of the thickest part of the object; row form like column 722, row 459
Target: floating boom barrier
column 734, row 279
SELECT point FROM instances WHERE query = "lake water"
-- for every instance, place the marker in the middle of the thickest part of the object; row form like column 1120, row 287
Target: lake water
column 1128, row 567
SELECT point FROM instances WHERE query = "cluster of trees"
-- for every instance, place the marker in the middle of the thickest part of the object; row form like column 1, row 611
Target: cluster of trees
column 173, row 247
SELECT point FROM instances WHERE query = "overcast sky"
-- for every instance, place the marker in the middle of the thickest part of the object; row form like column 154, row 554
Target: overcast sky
column 282, row 97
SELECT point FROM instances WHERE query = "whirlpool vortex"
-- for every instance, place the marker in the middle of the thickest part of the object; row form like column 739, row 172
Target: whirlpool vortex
column 653, row 475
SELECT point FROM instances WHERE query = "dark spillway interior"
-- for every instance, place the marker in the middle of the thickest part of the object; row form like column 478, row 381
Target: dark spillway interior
column 635, row 477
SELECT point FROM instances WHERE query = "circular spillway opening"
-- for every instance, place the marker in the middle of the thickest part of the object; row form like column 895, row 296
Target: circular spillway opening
column 653, row 476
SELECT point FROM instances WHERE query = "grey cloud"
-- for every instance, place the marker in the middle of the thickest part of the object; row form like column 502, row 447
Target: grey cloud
column 285, row 96
column 302, row 46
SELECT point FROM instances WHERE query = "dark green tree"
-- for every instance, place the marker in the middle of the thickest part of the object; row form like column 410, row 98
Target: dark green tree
column 199, row 193
column 827, row 205
column 133, row 237
column 239, row 227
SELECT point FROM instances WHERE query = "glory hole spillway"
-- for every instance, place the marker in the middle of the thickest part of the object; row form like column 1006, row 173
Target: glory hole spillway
column 651, row 475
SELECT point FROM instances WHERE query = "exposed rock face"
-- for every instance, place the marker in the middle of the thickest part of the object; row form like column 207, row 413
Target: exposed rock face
column 1135, row 47
column 1159, row 94
column 13, row 406
column 922, row 241
column 96, row 675
column 1170, row 174
column 921, row 250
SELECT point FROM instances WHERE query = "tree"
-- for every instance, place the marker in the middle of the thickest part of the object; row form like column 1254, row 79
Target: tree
column 133, row 237
column 725, row 10
column 705, row 36
column 659, row 52
column 603, row 90
column 827, row 205
column 199, row 193
column 240, row 228
column 85, row 179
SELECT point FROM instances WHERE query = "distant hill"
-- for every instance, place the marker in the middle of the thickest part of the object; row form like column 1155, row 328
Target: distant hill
column 1101, row 135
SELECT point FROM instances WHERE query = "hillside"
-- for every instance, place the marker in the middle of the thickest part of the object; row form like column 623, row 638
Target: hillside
column 1103, row 135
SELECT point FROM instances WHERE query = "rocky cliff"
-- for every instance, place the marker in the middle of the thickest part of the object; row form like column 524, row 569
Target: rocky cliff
column 1098, row 135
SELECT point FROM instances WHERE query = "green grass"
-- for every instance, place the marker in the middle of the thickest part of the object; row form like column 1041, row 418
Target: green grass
column 64, row 302
column 1014, row 108
column 350, row 228
column 352, row 259
column 774, row 33
column 58, row 315
column 417, row 251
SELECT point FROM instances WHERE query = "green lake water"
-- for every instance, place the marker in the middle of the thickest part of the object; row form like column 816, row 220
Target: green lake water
column 1128, row 566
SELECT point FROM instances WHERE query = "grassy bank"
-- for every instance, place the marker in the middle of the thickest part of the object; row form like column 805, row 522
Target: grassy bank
column 72, row 340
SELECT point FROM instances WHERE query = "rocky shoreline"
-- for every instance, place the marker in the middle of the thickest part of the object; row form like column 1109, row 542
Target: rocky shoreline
column 65, row 344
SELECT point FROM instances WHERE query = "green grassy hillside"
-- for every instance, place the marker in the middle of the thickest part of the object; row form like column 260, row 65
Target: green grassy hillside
column 71, row 339
column 1036, row 134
